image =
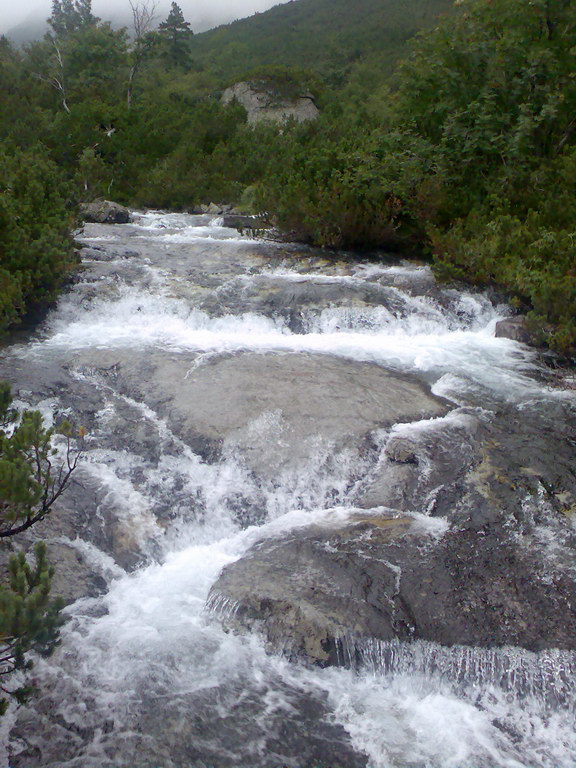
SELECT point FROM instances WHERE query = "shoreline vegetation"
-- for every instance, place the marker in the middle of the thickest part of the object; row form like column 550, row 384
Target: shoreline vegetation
column 456, row 145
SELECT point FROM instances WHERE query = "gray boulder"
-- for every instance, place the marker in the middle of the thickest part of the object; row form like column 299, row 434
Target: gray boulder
column 264, row 103
column 273, row 408
column 105, row 212
column 319, row 591
column 467, row 538
column 514, row 328
column 239, row 221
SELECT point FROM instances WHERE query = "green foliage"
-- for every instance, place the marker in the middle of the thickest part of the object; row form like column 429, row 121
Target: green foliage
column 362, row 190
column 494, row 90
column 524, row 256
column 36, row 247
column 30, row 484
column 326, row 36
column 470, row 156
column 29, row 619
column 466, row 153
column 175, row 34
column 70, row 15
column 95, row 62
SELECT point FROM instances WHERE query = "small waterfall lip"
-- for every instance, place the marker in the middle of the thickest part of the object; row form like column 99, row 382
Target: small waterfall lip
column 548, row 675
column 221, row 607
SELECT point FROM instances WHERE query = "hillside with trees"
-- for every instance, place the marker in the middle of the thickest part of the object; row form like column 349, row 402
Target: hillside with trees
column 327, row 36
column 463, row 153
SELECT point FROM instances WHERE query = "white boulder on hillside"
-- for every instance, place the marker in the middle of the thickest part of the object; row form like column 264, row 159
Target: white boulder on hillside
column 266, row 103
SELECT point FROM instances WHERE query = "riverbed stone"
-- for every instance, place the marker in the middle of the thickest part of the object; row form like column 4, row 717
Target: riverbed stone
column 75, row 577
column 105, row 212
column 318, row 591
column 272, row 408
column 240, row 221
column 515, row 328
column 467, row 538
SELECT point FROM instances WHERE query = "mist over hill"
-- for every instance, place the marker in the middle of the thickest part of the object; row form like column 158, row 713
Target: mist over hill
column 27, row 21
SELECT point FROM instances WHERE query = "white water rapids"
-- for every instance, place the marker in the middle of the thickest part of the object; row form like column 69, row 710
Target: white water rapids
column 145, row 675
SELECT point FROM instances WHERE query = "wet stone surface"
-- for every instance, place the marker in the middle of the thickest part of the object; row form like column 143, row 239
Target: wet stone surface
column 324, row 517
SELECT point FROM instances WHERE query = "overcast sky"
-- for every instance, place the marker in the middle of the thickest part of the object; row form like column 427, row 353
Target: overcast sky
column 200, row 13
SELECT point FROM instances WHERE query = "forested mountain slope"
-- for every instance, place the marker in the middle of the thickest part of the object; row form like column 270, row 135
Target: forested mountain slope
column 323, row 35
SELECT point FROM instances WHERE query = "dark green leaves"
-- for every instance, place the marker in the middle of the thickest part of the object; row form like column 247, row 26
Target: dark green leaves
column 29, row 619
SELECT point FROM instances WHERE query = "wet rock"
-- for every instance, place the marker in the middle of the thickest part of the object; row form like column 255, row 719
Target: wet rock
column 423, row 464
column 402, row 450
column 467, row 539
column 514, row 328
column 238, row 221
column 272, row 409
column 384, row 577
column 212, row 209
column 105, row 212
column 300, row 301
column 74, row 576
column 228, row 735
column 229, row 725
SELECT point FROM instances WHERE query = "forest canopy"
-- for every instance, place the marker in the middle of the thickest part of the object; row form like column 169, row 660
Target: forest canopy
column 456, row 145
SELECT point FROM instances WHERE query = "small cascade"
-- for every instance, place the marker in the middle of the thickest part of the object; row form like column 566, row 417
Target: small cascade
column 548, row 676
column 178, row 484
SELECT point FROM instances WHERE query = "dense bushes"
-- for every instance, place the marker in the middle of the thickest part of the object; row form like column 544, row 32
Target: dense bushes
column 471, row 158
column 524, row 256
column 466, row 155
column 360, row 190
column 493, row 89
column 36, row 245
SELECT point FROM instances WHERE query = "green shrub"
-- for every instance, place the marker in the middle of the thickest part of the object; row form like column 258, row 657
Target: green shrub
column 525, row 257
column 36, row 244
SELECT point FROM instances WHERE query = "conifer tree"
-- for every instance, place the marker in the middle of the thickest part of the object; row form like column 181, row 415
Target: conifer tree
column 29, row 482
column 176, row 33
column 70, row 15
column 29, row 486
column 29, row 620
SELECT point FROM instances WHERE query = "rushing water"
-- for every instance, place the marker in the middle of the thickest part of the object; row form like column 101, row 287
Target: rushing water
column 145, row 675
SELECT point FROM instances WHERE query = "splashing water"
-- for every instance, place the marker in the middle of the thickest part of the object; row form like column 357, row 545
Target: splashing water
column 145, row 674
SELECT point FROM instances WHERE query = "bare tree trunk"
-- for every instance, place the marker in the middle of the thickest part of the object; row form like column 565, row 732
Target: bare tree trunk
column 143, row 15
column 129, row 90
column 57, row 81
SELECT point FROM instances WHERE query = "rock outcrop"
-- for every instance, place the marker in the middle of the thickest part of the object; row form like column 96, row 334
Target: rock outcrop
column 264, row 103
column 105, row 212
column 384, row 577
column 449, row 549
column 514, row 328
column 272, row 409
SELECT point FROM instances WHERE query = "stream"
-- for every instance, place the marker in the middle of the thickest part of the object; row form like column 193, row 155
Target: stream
column 234, row 394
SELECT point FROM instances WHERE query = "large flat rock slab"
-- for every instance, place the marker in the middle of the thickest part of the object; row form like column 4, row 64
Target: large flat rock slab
column 316, row 394
column 271, row 407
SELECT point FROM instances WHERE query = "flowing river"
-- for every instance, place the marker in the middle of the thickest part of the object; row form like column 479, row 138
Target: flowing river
column 230, row 392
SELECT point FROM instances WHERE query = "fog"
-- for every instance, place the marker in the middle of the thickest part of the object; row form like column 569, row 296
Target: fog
column 202, row 14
